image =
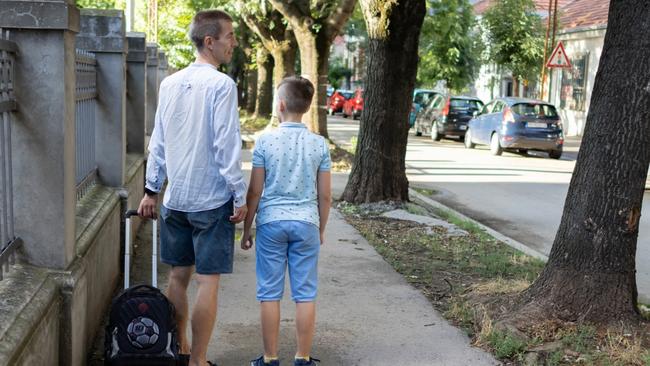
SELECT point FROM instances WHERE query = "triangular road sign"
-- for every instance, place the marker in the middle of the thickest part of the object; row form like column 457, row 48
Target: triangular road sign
column 558, row 57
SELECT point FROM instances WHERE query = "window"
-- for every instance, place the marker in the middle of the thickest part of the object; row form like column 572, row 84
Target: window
column 466, row 104
column 498, row 107
column 487, row 108
column 423, row 98
column 535, row 110
column 574, row 84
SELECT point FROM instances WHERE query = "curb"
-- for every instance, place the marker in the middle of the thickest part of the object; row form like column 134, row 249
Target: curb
column 497, row 235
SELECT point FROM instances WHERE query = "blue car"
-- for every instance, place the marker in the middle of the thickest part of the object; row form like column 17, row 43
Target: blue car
column 421, row 97
column 517, row 124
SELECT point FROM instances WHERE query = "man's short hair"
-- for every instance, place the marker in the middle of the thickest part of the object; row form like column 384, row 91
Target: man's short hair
column 297, row 93
column 207, row 23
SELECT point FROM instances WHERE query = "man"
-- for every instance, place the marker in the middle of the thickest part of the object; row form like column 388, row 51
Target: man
column 196, row 144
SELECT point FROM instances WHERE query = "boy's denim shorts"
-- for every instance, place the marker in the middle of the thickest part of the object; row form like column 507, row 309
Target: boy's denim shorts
column 282, row 243
column 205, row 239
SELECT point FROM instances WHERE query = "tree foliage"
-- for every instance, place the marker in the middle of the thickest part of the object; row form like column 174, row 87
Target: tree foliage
column 337, row 71
column 515, row 36
column 449, row 50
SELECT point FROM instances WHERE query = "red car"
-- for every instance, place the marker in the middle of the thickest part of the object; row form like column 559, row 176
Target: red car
column 336, row 101
column 354, row 106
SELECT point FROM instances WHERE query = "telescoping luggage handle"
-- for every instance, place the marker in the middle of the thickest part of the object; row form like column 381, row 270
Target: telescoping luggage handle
column 127, row 250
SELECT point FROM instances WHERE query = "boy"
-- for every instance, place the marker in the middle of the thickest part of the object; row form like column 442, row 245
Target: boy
column 291, row 184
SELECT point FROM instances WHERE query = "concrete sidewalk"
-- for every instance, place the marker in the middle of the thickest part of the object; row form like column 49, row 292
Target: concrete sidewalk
column 367, row 313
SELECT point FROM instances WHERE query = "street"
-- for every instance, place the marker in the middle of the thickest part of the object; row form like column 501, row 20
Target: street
column 520, row 196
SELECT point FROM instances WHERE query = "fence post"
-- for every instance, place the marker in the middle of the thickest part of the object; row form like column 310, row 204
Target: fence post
column 152, row 85
column 163, row 67
column 102, row 32
column 136, row 87
column 43, row 134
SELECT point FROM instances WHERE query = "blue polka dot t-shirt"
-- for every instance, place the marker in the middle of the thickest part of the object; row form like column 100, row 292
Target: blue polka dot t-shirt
column 291, row 157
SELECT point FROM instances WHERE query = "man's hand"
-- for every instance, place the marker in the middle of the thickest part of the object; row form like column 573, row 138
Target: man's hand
column 239, row 215
column 322, row 238
column 247, row 241
column 148, row 207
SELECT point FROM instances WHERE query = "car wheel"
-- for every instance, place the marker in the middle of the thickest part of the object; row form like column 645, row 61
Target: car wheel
column 435, row 136
column 555, row 154
column 417, row 129
column 495, row 146
column 468, row 140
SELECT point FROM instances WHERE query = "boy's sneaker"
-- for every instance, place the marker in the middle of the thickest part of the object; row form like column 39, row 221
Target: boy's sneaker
column 260, row 362
column 300, row 362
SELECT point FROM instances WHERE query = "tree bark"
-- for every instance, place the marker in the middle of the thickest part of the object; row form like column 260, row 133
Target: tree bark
column 284, row 58
column 379, row 168
column 314, row 37
column 251, row 90
column 264, row 104
column 591, row 272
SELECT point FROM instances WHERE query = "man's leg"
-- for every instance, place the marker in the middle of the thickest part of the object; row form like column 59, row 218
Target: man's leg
column 305, row 323
column 270, row 314
column 179, row 279
column 204, row 315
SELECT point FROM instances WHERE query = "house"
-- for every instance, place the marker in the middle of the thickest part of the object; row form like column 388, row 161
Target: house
column 582, row 31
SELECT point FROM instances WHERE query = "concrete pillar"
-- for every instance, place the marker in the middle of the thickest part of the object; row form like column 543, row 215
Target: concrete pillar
column 163, row 67
column 136, row 87
column 152, row 86
column 102, row 32
column 43, row 130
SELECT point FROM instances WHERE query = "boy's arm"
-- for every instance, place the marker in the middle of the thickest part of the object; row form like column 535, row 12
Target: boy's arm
column 324, row 185
column 255, row 189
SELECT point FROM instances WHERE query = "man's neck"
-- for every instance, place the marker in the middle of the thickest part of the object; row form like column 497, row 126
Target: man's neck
column 203, row 59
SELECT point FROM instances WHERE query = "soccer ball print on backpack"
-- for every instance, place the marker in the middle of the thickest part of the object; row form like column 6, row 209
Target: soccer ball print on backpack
column 142, row 324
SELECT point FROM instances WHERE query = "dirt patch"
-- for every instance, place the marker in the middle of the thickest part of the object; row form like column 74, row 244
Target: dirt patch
column 341, row 158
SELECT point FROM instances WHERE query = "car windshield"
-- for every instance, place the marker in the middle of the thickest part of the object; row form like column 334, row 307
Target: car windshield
column 534, row 110
column 346, row 94
column 465, row 104
column 423, row 98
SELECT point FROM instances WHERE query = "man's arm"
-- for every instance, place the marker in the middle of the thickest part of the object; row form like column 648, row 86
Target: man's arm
column 227, row 146
column 255, row 189
column 324, row 186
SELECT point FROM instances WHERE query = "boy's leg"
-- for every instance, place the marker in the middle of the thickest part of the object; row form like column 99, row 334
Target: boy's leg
column 176, row 249
column 270, row 266
column 270, row 314
column 305, row 325
column 179, row 279
column 304, row 247
column 204, row 315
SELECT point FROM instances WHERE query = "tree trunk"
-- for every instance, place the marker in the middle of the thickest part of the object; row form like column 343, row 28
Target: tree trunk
column 284, row 60
column 379, row 169
column 251, row 90
column 264, row 83
column 312, row 63
column 591, row 274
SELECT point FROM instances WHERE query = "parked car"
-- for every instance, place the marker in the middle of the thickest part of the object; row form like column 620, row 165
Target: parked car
column 354, row 106
column 336, row 101
column 421, row 98
column 517, row 124
column 447, row 115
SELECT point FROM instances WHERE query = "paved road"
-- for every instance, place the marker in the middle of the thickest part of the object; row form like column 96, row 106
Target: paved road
column 519, row 196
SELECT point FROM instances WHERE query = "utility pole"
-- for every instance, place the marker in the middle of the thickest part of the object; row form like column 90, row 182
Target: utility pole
column 152, row 26
column 130, row 15
column 544, row 61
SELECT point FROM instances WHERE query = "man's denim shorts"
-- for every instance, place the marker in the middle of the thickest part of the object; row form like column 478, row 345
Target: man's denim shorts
column 205, row 239
column 282, row 243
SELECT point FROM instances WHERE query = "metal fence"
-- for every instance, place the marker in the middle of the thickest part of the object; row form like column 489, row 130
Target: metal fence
column 86, row 101
column 9, row 242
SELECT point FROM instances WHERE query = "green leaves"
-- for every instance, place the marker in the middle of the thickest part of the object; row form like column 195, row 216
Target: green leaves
column 515, row 35
column 450, row 50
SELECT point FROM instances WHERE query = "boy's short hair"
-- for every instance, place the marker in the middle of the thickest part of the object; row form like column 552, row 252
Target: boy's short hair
column 297, row 93
column 207, row 23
